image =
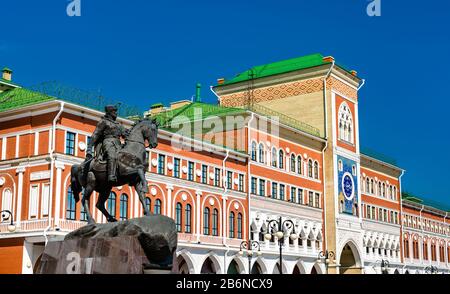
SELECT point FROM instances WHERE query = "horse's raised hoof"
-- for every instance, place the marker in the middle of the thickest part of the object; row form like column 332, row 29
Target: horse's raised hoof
column 112, row 220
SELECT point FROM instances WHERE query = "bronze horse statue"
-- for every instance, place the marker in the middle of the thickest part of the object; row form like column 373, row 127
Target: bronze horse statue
column 132, row 164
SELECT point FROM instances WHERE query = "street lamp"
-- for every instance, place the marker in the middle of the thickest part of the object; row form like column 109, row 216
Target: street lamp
column 250, row 246
column 384, row 264
column 279, row 228
column 5, row 216
column 431, row 270
column 325, row 257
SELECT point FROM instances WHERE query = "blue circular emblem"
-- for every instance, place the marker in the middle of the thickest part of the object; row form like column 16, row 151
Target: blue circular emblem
column 348, row 187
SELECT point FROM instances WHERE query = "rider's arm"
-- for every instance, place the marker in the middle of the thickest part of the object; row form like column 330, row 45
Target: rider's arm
column 96, row 136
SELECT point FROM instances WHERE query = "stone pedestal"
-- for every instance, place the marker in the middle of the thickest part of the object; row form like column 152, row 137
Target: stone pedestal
column 146, row 244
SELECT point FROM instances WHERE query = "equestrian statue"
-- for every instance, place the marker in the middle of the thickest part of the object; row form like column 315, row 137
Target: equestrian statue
column 113, row 163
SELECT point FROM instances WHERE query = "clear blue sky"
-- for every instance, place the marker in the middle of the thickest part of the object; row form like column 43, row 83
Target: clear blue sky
column 144, row 52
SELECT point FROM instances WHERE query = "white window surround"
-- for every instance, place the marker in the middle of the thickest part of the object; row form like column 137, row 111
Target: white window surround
column 345, row 123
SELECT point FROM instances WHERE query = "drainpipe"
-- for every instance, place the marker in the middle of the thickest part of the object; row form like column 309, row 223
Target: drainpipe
column 215, row 94
column 249, row 179
column 421, row 226
column 323, row 152
column 400, row 218
column 52, row 166
column 225, row 190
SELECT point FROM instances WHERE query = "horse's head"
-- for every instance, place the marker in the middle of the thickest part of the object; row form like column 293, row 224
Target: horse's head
column 151, row 132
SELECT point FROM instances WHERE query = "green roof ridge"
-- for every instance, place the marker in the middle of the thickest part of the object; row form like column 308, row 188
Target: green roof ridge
column 278, row 67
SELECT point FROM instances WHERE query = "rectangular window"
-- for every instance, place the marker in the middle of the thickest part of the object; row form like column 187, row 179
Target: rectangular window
column 191, row 171
column 217, row 177
column 176, row 168
column 317, row 200
column 380, row 214
column 161, row 164
column 368, row 213
column 70, row 143
column 300, row 196
column 385, row 215
column 274, row 190
column 396, row 217
column 282, row 192
column 253, row 186
column 262, row 187
column 45, row 199
column 34, row 196
column 229, row 180
column 88, row 141
column 204, row 174
column 293, row 194
column 241, row 183
column 311, row 199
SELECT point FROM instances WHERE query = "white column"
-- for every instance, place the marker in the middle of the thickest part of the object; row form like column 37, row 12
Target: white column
column 169, row 207
column 20, row 171
column 198, row 209
column 59, row 168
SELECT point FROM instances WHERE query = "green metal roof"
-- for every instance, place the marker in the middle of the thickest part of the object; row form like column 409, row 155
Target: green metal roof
column 20, row 97
column 207, row 110
column 377, row 155
column 427, row 202
column 278, row 68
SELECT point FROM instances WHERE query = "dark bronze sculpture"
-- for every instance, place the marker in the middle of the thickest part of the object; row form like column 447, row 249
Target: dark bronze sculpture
column 123, row 165
column 108, row 133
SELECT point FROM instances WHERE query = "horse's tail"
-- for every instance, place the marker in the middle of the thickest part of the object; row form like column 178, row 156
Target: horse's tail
column 75, row 183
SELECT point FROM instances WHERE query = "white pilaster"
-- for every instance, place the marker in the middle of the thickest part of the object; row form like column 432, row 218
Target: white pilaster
column 4, row 139
column 169, row 207
column 198, row 209
column 36, row 143
column 20, row 171
column 17, row 145
column 59, row 168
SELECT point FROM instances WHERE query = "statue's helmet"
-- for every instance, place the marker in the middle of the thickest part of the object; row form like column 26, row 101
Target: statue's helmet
column 110, row 108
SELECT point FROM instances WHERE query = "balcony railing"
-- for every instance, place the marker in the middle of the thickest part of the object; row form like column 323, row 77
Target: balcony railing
column 287, row 120
column 41, row 224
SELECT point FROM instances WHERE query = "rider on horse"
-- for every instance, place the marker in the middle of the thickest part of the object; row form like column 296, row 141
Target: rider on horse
column 108, row 132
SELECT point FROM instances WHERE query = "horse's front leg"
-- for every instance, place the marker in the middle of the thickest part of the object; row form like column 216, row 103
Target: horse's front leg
column 141, row 188
column 85, row 201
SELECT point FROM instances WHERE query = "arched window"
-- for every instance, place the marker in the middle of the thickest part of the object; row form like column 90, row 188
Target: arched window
column 384, row 190
column 215, row 222
column 178, row 216
column 7, row 200
column 148, row 203
column 345, row 123
column 261, row 153
column 299, row 164
column 274, row 157
column 394, row 196
column 253, row 154
column 123, row 207
column 239, row 226
column 316, row 170
column 157, row 209
column 206, row 221
column 367, row 185
column 231, row 229
column 390, row 192
column 281, row 159
column 310, row 168
column 187, row 215
column 71, row 207
column 112, row 204
column 371, row 186
column 293, row 163
column 379, row 188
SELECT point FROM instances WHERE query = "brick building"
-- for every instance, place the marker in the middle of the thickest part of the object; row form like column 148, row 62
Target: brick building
column 288, row 145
